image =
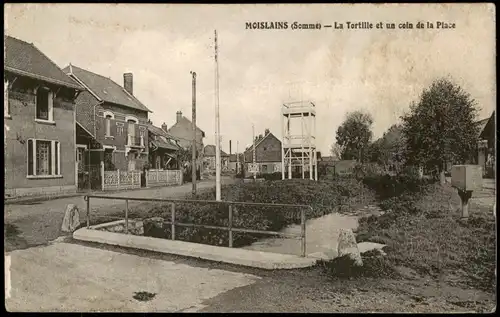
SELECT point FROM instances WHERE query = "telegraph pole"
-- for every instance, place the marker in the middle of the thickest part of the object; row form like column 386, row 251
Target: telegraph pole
column 237, row 158
column 193, row 146
column 253, row 158
column 217, row 126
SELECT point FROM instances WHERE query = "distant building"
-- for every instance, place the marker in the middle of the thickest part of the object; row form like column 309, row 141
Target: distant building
column 267, row 154
column 235, row 163
column 163, row 149
column 209, row 159
column 39, row 123
column 183, row 131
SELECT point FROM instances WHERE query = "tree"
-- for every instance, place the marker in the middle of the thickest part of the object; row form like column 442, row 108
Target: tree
column 354, row 135
column 336, row 151
column 440, row 128
column 388, row 151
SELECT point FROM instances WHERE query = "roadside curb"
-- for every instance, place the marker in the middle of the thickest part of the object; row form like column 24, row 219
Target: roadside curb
column 244, row 257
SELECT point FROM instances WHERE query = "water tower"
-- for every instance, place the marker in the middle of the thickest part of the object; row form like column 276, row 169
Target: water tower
column 298, row 145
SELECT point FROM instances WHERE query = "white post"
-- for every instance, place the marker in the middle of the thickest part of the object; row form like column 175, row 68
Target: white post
column 102, row 174
column 217, row 126
column 118, row 171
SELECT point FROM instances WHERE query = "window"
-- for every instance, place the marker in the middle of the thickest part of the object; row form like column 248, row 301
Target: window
column 108, row 116
column 43, row 158
column 6, row 104
column 44, row 104
column 119, row 128
column 264, row 168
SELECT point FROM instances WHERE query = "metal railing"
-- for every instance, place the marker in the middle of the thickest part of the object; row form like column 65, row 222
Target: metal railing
column 173, row 223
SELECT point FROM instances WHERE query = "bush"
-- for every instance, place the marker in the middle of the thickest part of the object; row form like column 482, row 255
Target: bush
column 323, row 197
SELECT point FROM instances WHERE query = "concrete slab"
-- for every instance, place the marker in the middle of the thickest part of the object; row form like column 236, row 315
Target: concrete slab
column 66, row 277
column 257, row 259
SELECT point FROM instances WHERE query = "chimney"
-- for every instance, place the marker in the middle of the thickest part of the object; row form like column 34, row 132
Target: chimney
column 128, row 83
column 230, row 152
column 266, row 132
column 164, row 127
column 179, row 115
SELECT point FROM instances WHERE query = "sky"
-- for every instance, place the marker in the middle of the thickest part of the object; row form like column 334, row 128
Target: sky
column 379, row 71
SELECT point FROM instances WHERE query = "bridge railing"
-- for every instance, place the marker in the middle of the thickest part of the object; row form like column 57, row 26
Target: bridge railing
column 303, row 209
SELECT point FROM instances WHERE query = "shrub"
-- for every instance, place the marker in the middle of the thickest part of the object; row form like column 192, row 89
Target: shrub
column 323, row 197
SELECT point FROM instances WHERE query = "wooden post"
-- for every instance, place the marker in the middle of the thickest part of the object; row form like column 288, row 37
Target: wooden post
column 303, row 232
column 126, row 216
column 173, row 220
column 230, row 226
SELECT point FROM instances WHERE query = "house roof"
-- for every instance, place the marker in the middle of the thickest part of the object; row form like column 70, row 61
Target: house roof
column 104, row 88
column 260, row 141
column 26, row 59
column 485, row 124
column 159, row 131
column 184, row 120
column 209, row 150
column 165, row 145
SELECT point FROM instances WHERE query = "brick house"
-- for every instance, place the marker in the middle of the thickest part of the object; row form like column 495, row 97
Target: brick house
column 163, row 148
column 209, row 159
column 111, row 126
column 267, row 154
column 486, row 145
column 183, row 131
column 235, row 162
column 39, row 123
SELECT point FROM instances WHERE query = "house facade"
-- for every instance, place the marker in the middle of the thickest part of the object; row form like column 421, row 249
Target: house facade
column 209, row 160
column 267, row 154
column 111, row 127
column 183, row 131
column 235, row 162
column 39, row 123
column 163, row 149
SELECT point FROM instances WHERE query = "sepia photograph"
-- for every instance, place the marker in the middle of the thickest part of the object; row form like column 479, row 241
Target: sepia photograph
column 228, row 158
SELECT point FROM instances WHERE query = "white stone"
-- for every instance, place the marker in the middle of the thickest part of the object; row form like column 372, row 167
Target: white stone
column 348, row 246
column 71, row 220
column 368, row 246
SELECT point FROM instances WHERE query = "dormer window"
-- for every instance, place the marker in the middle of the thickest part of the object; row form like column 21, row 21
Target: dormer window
column 44, row 104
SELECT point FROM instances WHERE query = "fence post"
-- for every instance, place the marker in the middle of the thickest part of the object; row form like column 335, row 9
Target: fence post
column 88, row 211
column 173, row 221
column 118, row 173
column 126, row 216
column 230, row 226
column 303, row 232
column 167, row 173
column 157, row 176
column 146, row 176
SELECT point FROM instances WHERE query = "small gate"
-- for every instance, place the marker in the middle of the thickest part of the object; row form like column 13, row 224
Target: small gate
column 89, row 177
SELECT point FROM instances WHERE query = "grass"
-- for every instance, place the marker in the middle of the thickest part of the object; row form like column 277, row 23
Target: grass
column 423, row 231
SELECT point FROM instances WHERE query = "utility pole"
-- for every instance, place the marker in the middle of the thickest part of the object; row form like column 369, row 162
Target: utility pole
column 254, row 169
column 237, row 157
column 217, row 126
column 193, row 146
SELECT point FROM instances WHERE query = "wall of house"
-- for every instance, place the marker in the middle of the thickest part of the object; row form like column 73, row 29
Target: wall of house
column 267, row 151
column 183, row 130
column 85, row 110
column 22, row 126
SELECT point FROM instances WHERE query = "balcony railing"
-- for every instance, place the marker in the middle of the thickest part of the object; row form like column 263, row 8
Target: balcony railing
column 136, row 141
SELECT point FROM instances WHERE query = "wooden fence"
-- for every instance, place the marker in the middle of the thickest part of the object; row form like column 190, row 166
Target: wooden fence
column 163, row 178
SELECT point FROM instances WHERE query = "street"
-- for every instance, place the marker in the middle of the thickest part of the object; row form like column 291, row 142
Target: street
column 37, row 223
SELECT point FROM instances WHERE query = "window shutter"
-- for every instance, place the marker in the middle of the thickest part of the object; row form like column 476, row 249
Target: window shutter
column 30, row 157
